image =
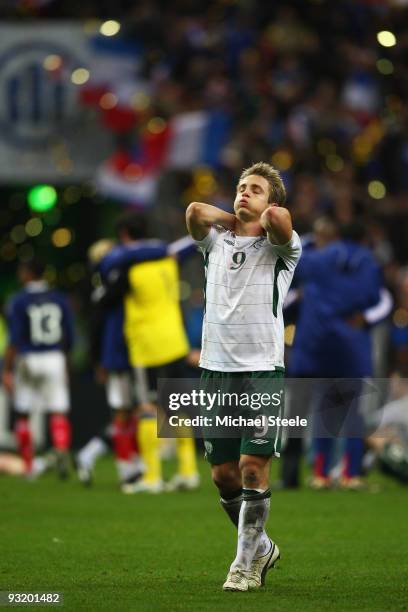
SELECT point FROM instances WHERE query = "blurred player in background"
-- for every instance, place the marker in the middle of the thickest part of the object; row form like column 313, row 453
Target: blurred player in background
column 14, row 465
column 110, row 354
column 194, row 329
column 35, row 365
column 389, row 442
column 399, row 329
column 339, row 282
column 156, row 342
column 115, row 268
column 250, row 257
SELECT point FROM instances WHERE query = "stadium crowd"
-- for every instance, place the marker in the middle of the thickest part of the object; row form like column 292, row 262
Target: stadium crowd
column 306, row 86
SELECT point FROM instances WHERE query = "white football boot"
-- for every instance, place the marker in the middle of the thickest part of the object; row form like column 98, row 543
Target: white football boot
column 259, row 567
column 183, row 483
column 143, row 487
column 237, row 580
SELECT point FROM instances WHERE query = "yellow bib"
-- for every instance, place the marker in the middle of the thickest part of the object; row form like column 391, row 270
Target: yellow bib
column 153, row 326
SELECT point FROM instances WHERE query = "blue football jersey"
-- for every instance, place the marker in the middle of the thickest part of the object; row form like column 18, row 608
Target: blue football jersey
column 114, row 352
column 123, row 256
column 337, row 281
column 39, row 319
column 126, row 255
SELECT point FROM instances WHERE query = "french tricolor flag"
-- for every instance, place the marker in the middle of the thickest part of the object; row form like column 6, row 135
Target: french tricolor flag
column 185, row 141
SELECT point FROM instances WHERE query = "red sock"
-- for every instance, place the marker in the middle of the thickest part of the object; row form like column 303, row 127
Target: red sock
column 24, row 442
column 60, row 430
column 122, row 438
column 319, row 466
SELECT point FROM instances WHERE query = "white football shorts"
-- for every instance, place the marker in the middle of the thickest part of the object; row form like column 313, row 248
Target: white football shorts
column 120, row 391
column 41, row 382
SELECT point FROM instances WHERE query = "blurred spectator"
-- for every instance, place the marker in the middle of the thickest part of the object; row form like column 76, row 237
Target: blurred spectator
column 399, row 330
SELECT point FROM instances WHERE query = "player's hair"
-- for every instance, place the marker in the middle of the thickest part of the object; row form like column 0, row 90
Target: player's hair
column 135, row 224
column 99, row 249
column 34, row 266
column 277, row 191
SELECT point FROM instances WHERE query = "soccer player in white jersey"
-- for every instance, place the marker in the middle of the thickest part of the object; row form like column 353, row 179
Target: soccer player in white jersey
column 250, row 257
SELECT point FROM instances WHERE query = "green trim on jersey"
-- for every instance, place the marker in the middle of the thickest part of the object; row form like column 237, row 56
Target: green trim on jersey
column 206, row 258
column 280, row 265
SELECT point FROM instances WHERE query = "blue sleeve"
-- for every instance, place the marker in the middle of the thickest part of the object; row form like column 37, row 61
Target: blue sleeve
column 15, row 322
column 311, row 264
column 363, row 288
column 399, row 336
column 125, row 255
column 372, row 282
column 194, row 326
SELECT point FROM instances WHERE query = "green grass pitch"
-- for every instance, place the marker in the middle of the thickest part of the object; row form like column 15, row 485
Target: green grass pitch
column 106, row 551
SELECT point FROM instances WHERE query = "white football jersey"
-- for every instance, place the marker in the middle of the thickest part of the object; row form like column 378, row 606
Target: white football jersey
column 247, row 279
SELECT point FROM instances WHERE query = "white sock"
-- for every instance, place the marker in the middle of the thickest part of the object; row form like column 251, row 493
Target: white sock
column 40, row 465
column 95, row 448
column 138, row 465
column 252, row 519
column 129, row 469
column 233, row 508
column 264, row 545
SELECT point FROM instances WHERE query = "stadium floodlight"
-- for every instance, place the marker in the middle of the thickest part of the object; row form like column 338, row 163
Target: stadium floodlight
column 42, row 198
column 109, row 28
column 386, row 38
column 80, row 76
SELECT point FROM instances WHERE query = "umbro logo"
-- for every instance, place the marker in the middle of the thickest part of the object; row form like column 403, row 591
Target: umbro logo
column 229, row 242
column 258, row 244
column 259, row 441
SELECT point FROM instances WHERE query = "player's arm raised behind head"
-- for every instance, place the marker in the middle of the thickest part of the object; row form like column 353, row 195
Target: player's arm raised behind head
column 277, row 223
column 201, row 217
